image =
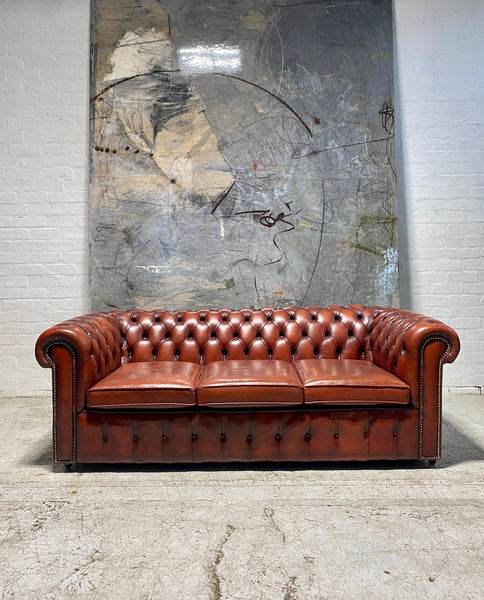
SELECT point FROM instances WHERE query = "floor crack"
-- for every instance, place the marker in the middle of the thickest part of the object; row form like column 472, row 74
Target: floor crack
column 212, row 570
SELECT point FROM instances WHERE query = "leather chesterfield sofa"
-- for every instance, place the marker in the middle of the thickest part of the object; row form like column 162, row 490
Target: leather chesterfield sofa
column 290, row 384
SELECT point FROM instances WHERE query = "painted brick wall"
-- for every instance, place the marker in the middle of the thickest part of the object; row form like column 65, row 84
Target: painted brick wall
column 44, row 63
column 44, row 52
column 440, row 91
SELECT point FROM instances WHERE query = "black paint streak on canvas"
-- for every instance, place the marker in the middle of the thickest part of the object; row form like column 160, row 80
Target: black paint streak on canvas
column 278, row 98
column 112, row 85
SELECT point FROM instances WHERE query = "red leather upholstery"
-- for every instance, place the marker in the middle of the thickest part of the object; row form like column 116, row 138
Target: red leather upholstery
column 86, row 350
column 243, row 383
column 280, row 334
column 275, row 435
column 349, row 382
column 398, row 339
column 94, row 344
column 147, row 385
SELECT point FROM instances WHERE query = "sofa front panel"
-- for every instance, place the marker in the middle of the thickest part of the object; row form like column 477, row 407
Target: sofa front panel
column 247, row 436
column 206, row 336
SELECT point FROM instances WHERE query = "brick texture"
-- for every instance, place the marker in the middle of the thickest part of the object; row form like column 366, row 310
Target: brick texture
column 440, row 145
column 44, row 82
column 44, row 88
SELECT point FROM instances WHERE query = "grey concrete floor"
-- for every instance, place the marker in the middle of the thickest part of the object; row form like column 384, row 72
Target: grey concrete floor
column 331, row 531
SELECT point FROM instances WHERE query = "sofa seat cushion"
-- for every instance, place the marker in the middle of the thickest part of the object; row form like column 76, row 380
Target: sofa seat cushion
column 349, row 382
column 255, row 382
column 162, row 384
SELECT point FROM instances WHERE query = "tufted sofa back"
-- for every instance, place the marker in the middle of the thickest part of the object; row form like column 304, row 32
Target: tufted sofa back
column 288, row 334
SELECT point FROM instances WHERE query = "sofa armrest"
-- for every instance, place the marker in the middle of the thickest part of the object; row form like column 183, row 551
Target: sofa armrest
column 84, row 350
column 414, row 348
column 398, row 343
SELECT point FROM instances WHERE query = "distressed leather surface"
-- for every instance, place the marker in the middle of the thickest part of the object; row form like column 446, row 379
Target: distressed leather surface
column 248, row 436
column 161, row 385
column 349, row 382
column 84, row 350
column 254, row 383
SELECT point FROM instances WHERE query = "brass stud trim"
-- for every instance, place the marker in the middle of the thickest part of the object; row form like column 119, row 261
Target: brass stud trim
column 48, row 358
column 421, row 456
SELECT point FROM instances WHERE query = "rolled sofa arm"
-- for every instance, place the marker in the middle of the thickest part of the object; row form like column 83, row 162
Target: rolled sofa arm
column 94, row 343
column 399, row 337
column 414, row 348
column 80, row 352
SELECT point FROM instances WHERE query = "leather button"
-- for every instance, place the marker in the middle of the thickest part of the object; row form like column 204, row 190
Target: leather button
column 194, row 436
column 307, row 436
column 164, row 438
column 278, row 437
column 223, row 437
column 366, row 434
column 336, row 436
column 249, row 438
column 135, row 437
column 105, row 437
column 395, row 434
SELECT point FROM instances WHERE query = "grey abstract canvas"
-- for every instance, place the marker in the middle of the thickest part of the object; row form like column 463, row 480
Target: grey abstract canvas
column 242, row 153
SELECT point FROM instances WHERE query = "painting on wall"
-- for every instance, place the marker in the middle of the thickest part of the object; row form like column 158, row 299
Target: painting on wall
column 242, row 153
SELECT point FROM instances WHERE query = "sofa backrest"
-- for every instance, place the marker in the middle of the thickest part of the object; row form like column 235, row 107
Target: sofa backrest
column 288, row 334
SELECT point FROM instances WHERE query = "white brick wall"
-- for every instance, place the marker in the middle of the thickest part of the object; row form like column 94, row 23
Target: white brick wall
column 44, row 80
column 440, row 94
column 44, row 53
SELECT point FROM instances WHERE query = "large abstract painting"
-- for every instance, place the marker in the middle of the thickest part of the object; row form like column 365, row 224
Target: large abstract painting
column 242, row 153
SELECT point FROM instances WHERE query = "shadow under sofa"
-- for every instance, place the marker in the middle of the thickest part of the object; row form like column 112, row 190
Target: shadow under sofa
column 276, row 384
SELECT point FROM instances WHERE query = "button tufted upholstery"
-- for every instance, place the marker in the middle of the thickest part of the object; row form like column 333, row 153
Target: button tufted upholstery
column 166, row 355
column 286, row 334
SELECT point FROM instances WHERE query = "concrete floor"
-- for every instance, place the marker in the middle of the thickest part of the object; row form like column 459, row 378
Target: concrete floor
column 379, row 531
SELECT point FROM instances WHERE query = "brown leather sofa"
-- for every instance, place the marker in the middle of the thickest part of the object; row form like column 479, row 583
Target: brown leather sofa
column 289, row 384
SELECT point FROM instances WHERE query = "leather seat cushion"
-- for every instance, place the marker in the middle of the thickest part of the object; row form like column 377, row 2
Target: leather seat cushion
column 161, row 384
column 345, row 382
column 256, row 382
